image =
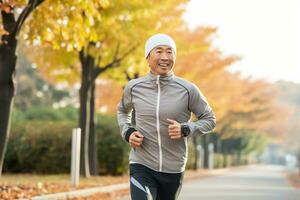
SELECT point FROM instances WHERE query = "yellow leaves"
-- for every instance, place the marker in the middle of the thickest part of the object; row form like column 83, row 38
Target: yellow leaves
column 49, row 36
column 104, row 3
column 74, row 24
column 70, row 47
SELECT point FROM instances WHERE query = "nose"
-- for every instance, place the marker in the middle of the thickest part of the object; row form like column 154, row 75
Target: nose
column 164, row 56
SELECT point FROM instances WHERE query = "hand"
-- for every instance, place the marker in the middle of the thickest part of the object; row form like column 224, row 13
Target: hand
column 174, row 129
column 136, row 139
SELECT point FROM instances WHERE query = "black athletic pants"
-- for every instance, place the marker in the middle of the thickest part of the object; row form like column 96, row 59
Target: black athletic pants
column 147, row 184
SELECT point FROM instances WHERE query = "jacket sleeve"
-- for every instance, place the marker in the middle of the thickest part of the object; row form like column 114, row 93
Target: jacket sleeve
column 206, row 120
column 124, row 110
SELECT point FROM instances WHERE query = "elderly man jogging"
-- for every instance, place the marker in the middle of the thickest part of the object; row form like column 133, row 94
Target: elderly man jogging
column 163, row 105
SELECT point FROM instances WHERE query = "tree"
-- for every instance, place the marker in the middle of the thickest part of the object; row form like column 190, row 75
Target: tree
column 10, row 27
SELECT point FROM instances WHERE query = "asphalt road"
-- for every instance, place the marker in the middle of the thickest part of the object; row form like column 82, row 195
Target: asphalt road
column 251, row 183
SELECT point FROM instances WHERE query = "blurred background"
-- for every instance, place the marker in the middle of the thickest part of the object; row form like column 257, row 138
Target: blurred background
column 75, row 57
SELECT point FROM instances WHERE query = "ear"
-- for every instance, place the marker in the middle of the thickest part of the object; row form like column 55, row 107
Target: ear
column 147, row 58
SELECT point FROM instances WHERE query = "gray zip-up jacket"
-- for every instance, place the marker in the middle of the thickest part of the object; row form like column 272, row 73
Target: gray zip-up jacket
column 154, row 99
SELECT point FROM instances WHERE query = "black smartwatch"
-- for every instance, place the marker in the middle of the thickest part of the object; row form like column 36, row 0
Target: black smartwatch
column 185, row 130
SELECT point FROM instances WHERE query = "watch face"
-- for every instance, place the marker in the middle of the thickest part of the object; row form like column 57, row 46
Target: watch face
column 185, row 130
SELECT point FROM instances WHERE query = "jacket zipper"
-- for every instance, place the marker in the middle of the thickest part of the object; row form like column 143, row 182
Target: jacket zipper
column 157, row 123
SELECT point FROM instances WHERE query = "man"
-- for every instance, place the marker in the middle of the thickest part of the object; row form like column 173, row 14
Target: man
column 163, row 104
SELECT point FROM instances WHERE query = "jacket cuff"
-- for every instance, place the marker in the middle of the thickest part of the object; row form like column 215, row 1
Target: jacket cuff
column 128, row 133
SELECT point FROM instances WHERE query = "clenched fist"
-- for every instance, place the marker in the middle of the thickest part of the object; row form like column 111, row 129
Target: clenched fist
column 136, row 139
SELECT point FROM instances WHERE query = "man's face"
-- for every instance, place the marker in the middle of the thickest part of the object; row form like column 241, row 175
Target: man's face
column 161, row 60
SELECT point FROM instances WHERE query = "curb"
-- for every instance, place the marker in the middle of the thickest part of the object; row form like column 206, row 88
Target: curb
column 82, row 192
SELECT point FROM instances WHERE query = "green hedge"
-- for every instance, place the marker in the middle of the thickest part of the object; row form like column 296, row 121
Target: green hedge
column 112, row 150
column 39, row 147
column 218, row 160
column 45, row 146
column 42, row 113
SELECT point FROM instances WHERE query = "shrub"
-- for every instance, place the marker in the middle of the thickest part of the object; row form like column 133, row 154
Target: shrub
column 112, row 150
column 45, row 147
column 218, row 160
column 39, row 147
column 45, row 114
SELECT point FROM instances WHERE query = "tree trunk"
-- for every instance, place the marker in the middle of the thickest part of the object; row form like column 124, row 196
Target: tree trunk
column 219, row 146
column 7, row 90
column 299, row 162
column 84, row 113
column 225, row 154
column 8, row 61
column 93, row 137
column 225, row 158
column 206, row 151
column 90, row 71
column 196, row 153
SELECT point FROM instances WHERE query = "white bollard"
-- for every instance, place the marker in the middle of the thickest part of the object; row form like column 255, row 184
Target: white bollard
column 211, row 156
column 75, row 157
column 200, row 162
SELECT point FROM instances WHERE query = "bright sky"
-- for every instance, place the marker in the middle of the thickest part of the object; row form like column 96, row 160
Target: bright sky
column 266, row 33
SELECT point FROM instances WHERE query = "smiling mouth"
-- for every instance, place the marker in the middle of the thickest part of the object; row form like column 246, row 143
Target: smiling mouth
column 163, row 65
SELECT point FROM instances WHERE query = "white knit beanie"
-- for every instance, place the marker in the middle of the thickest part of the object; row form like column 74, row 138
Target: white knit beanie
column 159, row 39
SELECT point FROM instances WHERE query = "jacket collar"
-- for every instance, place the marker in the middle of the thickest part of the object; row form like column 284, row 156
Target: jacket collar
column 163, row 80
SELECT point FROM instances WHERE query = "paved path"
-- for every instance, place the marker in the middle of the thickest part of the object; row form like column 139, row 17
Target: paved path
column 251, row 183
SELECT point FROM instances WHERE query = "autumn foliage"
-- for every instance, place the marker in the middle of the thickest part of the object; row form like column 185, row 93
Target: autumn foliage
column 106, row 38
